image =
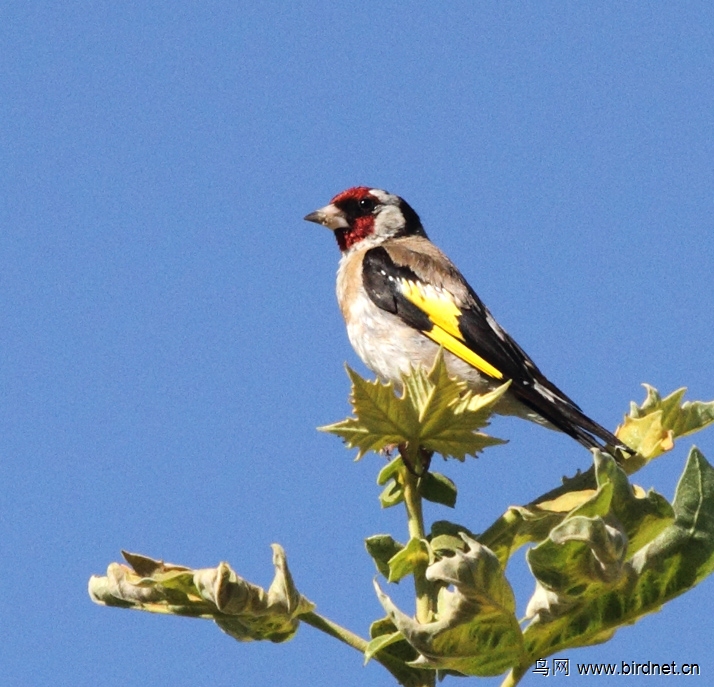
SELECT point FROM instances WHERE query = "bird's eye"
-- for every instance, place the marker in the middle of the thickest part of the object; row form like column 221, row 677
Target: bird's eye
column 366, row 205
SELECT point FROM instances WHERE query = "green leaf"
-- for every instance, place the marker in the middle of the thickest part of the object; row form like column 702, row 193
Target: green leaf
column 446, row 537
column 383, row 626
column 391, row 495
column 476, row 631
column 382, row 547
column 579, row 552
column 381, row 419
column 521, row 525
column 409, row 558
column 241, row 609
column 434, row 412
column 437, row 488
column 389, row 471
column 381, row 643
column 444, row 527
column 393, row 492
column 683, row 554
column 589, row 586
column 642, row 515
column 386, row 638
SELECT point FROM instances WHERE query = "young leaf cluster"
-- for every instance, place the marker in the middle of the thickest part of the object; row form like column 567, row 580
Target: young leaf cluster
column 606, row 554
column 241, row 609
column 603, row 552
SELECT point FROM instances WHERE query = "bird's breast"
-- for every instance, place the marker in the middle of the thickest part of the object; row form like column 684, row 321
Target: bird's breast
column 386, row 345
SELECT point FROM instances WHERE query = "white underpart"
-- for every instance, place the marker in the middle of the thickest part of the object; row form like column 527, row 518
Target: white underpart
column 391, row 348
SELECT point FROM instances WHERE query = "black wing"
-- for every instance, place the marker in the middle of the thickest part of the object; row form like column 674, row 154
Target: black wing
column 431, row 296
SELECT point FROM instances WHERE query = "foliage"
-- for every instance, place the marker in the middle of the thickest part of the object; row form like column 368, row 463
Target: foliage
column 603, row 551
column 241, row 609
column 435, row 413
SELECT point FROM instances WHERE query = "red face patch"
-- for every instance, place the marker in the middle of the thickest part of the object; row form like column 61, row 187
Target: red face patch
column 357, row 204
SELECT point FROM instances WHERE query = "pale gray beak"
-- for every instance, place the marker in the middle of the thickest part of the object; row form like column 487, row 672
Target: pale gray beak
column 330, row 216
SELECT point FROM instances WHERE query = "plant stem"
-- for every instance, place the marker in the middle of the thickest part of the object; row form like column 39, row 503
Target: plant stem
column 334, row 630
column 514, row 676
column 425, row 593
column 409, row 677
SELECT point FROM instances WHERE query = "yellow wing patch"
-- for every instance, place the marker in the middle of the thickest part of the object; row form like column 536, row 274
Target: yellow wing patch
column 439, row 306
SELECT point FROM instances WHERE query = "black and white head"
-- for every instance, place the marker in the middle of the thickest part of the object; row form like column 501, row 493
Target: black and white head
column 367, row 214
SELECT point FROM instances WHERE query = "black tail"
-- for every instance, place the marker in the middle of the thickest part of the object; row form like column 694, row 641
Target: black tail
column 555, row 407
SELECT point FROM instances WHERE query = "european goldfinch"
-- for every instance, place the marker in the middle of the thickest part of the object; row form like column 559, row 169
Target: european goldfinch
column 402, row 299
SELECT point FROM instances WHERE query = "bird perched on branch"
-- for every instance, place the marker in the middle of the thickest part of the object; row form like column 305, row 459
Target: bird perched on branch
column 402, row 299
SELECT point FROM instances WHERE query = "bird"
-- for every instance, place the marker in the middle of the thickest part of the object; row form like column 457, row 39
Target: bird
column 403, row 300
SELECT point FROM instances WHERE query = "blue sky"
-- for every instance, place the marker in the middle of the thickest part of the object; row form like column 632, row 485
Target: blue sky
column 170, row 337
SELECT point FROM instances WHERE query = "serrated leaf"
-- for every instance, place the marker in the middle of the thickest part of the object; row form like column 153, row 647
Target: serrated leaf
column 414, row 555
column 482, row 403
column 375, row 406
column 435, row 412
column 647, row 436
column 241, row 609
column 381, row 419
column 429, row 388
column 651, row 428
column 437, row 488
column 461, row 442
column 476, row 631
